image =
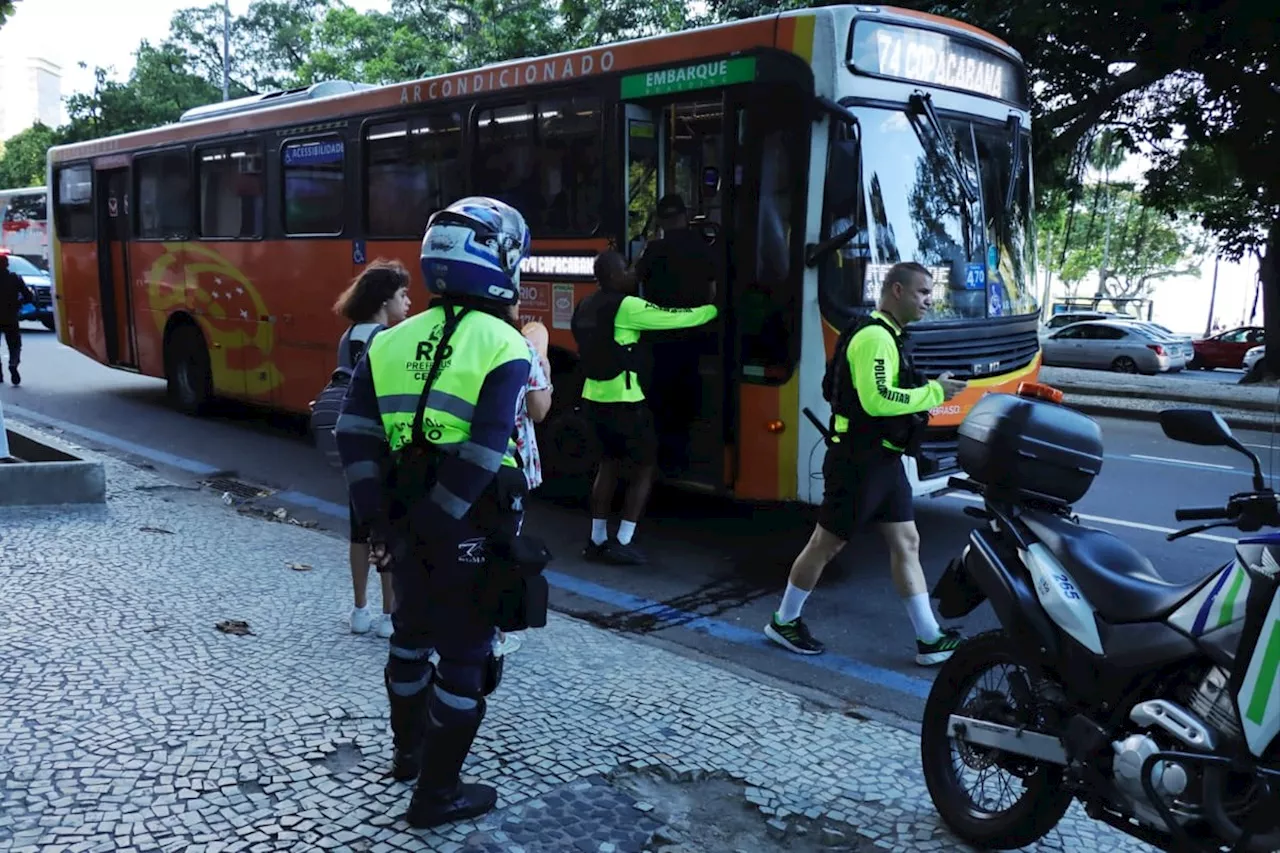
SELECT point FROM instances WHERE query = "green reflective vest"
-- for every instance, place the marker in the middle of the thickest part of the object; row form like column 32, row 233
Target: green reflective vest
column 400, row 360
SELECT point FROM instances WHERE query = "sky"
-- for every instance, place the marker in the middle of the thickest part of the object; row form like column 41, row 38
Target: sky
column 102, row 35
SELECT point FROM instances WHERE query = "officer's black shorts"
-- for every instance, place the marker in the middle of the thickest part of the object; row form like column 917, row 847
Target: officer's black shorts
column 869, row 488
column 625, row 431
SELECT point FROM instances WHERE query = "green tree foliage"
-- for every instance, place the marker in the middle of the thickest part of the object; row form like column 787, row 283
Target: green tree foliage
column 1146, row 245
column 6, row 10
column 23, row 163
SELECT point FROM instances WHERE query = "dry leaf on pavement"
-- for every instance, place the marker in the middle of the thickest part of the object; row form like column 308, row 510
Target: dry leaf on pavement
column 238, row 627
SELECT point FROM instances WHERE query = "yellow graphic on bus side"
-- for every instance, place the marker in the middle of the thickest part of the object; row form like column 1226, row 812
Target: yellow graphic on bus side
column 228, row 308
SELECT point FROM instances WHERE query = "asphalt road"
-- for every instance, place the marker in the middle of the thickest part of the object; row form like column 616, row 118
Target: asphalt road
column 716, row 568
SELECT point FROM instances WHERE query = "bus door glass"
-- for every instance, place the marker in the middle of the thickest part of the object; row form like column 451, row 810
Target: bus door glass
column 113, row 266
column 644, row 167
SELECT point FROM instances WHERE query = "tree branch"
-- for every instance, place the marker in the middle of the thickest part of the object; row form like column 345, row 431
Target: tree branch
column 1077, row 119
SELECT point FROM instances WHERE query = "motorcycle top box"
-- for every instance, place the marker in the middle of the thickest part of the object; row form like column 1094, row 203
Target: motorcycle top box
column 1031, row 447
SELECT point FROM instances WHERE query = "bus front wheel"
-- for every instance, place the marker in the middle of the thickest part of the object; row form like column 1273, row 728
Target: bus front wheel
column 189, row 375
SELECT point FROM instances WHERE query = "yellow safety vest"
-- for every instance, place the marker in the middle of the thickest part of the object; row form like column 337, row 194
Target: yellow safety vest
column 400, row 360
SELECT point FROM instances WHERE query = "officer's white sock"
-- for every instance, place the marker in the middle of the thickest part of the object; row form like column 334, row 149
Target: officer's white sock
column 922, row 618
column 599, row 531
column 792, row 603
column 626, row 530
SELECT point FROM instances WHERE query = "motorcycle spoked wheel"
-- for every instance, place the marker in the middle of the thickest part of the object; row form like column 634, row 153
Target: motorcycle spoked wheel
column 1042, row 802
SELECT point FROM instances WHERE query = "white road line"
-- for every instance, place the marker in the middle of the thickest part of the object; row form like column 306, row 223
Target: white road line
column 1184, row 462
column 1262, row 446
column 1119, row 522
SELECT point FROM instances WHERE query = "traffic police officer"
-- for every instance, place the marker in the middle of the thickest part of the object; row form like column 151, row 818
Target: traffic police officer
column 879, row 406
column 426, row 440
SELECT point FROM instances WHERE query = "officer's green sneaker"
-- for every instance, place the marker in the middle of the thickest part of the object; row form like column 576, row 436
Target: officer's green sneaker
column 931, row 654
column 793, row 636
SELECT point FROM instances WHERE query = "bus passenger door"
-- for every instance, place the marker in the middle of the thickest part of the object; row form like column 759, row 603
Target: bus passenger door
column 113, row 266
column 771, row 133
column 687, row 156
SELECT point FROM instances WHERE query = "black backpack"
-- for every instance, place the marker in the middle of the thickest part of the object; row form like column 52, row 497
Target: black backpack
column 599, row 353
column 327, row 405
column 837, row 375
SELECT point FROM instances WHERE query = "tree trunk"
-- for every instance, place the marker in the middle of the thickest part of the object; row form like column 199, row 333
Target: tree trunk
column 1269, row 275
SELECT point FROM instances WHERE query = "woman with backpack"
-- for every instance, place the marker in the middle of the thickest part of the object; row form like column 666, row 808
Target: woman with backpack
column 377, row 299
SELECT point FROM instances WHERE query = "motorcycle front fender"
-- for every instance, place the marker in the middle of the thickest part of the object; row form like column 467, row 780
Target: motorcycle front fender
column 1012, row 598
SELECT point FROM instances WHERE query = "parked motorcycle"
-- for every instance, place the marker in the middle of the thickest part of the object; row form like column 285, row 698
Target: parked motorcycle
column 1155, row 704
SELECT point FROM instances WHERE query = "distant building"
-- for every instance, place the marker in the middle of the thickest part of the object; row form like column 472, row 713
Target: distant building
column 30, row 91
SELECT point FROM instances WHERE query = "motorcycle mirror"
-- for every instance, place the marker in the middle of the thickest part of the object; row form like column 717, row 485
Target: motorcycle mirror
column 1206, row 427
column 1196, row 426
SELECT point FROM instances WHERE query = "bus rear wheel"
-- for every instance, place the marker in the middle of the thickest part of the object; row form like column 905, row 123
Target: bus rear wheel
column 187, row 370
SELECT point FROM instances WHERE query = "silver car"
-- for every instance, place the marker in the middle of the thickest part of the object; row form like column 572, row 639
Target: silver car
column 1175, row 343
column 1122, row 346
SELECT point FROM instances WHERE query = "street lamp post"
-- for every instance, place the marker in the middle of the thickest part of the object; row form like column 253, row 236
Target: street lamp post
column 226, row 50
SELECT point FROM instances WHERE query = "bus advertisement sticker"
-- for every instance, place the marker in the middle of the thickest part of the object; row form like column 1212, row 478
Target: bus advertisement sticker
column 561, row 305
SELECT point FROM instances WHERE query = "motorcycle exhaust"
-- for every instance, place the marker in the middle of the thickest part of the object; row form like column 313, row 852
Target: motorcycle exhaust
column 1009, row 739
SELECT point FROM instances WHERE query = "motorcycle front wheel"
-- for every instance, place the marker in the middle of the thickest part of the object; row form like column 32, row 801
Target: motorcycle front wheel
column 974, row 682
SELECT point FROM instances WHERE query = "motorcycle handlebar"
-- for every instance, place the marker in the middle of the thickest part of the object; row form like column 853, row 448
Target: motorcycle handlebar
column 1201, row 513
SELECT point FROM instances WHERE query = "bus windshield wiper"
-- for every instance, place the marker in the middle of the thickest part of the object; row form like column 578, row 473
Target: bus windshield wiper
column 921, row 104
column 1015, row 160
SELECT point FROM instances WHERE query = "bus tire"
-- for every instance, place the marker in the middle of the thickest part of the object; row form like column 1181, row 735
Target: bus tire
column 187, row 370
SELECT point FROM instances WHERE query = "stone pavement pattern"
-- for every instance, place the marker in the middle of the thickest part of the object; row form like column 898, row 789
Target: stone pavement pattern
column 130, row 723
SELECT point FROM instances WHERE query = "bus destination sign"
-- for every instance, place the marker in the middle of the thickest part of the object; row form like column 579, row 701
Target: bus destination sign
column 684, row 78
column 935, row 58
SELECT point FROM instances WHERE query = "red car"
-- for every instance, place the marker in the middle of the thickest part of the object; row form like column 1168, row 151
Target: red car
column 1226, row 349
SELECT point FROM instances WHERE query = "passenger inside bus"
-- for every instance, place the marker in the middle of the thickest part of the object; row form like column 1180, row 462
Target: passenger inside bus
column 678, row 270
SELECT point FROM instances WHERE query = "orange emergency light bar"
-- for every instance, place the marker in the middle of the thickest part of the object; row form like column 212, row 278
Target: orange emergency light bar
column 1040, row 391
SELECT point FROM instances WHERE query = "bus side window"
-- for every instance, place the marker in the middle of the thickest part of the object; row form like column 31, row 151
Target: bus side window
column 546, row 160
column 413, row 170
column 73, row 203
column 163, row 196
column 314, row 186
column 231, row 191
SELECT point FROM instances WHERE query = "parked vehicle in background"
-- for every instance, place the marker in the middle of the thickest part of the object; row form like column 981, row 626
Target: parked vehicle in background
column 41, row 288
column 24, row 226
column 1227, row 349
column 1113, row 345
column 1066, row 318
column 1177, row 344
column 1253, row 356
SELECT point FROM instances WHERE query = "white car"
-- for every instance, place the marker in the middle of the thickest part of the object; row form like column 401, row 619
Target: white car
column 1252, row 357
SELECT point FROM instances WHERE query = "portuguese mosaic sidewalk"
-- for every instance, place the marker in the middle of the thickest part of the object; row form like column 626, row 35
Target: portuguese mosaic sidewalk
column 175, row 676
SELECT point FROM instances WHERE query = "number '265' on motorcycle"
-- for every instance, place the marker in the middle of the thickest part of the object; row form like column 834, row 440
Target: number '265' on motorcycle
column 1155, row 704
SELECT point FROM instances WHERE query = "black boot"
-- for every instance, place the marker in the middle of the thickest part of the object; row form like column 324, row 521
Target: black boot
column 408, row 724
column 441, row 796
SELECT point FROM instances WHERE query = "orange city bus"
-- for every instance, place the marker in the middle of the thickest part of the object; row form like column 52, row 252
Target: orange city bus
column 815, row 148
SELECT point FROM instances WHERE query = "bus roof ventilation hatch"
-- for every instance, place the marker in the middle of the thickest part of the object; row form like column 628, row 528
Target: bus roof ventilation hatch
column 326, row 89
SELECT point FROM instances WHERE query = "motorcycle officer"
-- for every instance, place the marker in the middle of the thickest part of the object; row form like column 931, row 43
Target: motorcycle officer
column 426, row 441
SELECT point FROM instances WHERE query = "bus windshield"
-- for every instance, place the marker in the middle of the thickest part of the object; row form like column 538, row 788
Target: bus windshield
column 943, row 200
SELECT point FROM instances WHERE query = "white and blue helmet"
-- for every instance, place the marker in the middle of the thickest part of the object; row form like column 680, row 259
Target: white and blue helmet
column 474, row 248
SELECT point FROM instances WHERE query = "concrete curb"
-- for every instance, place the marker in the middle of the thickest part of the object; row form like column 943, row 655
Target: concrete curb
column 1235, row 418
column 39, row 473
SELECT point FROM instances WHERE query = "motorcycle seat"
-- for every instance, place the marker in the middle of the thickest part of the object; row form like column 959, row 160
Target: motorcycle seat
column 1121, row 584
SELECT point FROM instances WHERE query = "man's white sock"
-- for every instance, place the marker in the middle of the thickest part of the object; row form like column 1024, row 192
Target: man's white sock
column 922, row 618
column 792, row 603
column 626, row 530
column 599, row 531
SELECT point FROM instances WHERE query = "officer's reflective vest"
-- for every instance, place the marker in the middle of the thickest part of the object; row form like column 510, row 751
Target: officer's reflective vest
column 400, row 360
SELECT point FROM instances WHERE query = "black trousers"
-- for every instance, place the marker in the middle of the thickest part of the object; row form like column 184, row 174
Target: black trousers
column 13, row 338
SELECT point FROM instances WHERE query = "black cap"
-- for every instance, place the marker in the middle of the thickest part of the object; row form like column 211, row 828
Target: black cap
column 670, row 205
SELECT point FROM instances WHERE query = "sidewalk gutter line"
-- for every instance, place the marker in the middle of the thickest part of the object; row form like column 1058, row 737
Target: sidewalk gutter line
column 189, row 465
column 838, row 664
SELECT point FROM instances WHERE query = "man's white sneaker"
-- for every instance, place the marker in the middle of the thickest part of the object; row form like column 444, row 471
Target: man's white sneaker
column 361, row 620
column 385, row 628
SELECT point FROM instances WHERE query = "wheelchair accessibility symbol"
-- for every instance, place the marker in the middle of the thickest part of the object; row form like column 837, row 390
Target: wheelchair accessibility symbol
column 357, row 252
